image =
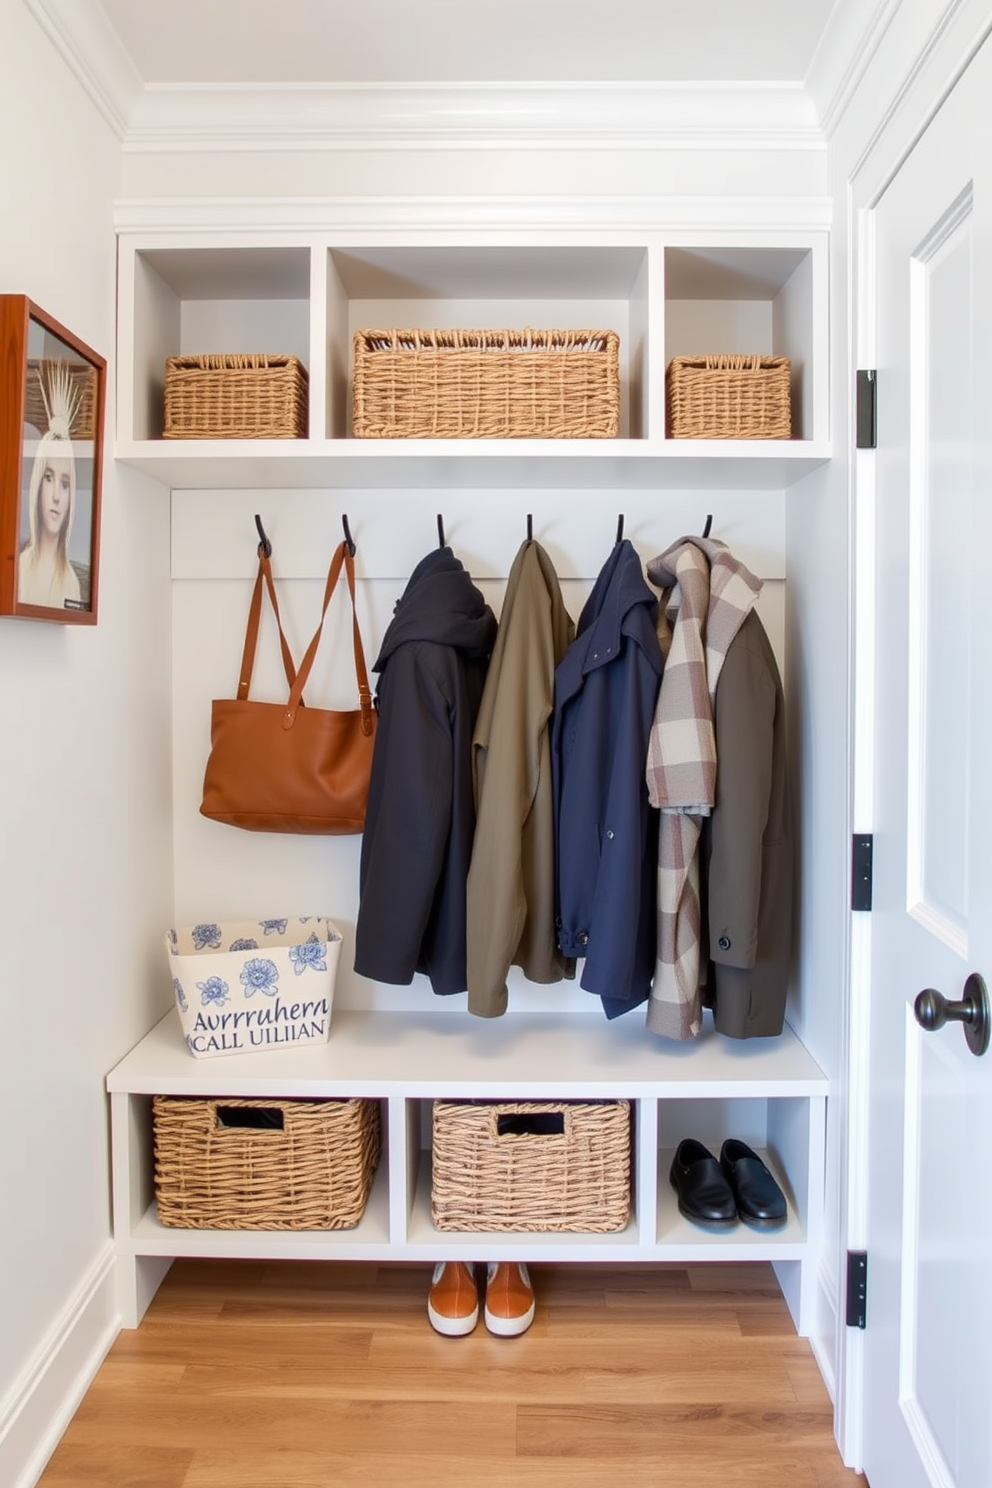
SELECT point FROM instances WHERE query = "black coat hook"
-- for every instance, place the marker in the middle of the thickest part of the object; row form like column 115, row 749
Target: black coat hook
column 264, row 546
column 530, row 527
column 347, row 535
column 709, row 524
column 440, row 531
column 620, row 528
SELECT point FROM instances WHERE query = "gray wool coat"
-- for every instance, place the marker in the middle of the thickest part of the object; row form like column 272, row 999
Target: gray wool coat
column 747, row 847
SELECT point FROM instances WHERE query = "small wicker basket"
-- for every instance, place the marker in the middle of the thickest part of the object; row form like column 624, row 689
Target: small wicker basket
column 229, row 396
column 729, row 397
column 531, row 1165
column 239, row 1164
column 455, row 384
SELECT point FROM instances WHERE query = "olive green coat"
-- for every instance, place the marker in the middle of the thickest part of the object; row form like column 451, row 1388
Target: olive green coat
column 511, row 881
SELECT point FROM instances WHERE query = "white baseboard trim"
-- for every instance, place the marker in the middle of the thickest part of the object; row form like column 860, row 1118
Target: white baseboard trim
column 39, row 1407
column 826, row 1326
column 825, row 1363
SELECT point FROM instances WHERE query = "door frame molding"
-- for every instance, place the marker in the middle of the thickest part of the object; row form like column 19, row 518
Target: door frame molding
column 940, row 60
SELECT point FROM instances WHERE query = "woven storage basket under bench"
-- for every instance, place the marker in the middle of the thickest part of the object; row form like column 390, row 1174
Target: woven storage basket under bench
column 729, row 397
column 236, row 396
column 531, row 1165
column 507, row 384
column 239, row 1164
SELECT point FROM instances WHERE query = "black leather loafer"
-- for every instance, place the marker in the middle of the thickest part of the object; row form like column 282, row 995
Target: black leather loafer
column 705, row 1196
column 758, row 1197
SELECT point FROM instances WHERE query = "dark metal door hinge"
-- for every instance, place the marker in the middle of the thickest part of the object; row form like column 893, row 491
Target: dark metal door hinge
column 857, row 1288
column 862, row 853
column 866, row 410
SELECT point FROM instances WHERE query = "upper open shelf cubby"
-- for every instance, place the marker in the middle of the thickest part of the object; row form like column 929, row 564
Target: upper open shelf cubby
column 190, row 301
column 490, row 288
column 308, row 296
column 756, row 301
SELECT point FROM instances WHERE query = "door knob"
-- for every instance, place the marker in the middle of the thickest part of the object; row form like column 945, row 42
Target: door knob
column 973, row 1011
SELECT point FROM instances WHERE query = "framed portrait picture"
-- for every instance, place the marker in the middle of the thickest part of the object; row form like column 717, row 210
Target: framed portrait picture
column 52, row 391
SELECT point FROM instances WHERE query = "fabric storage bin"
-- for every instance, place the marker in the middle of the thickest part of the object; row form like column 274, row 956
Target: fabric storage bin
column 255, row 984
column 531, row 1165
column 729, row 397
column 249, row 396
column 477, row 384
column 239, row 1164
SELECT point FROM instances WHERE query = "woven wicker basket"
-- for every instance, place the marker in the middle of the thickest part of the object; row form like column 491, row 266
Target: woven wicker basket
column 486, row 384
column 302, row 1165
column 728, row 397
column 531, row 1165
column 252, row 396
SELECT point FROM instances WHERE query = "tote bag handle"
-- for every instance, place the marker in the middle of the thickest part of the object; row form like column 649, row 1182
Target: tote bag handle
column 264, row 575
column 342, row 557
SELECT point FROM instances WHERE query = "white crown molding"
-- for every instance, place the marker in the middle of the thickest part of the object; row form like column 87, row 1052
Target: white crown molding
column 460, row 116
column 850, row 42
column 159, row 118
column 930, row 71
column 88, row 44
column 716, row 216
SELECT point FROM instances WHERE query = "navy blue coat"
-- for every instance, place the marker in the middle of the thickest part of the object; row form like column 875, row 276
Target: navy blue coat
column 420, row 820
column 606, row 831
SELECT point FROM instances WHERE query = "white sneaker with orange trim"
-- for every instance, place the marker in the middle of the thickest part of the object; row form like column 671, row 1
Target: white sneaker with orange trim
column 509, row 1298
column 453, row 1300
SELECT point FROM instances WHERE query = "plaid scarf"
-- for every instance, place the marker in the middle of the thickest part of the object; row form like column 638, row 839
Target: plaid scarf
column 707, row 595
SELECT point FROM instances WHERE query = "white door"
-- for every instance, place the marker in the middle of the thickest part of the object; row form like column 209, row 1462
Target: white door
column 928, row 1361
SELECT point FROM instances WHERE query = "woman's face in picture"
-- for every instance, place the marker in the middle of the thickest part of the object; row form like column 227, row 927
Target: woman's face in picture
column 54, row 496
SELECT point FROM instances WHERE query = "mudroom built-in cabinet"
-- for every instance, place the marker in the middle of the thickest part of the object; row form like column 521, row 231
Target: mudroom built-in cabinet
column 666, row 293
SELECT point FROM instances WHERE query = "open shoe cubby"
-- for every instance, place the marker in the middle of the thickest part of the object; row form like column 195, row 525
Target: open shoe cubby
column 306, row 295
column 769, row 1092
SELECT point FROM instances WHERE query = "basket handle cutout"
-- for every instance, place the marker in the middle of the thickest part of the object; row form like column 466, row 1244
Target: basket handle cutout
column 253, row 1118
column 531, row 1124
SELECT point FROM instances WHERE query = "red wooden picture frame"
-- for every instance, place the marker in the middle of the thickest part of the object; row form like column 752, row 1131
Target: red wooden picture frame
column 52, row 398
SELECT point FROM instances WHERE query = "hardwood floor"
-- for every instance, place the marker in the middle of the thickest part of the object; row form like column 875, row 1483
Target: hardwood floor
column 308, row 1375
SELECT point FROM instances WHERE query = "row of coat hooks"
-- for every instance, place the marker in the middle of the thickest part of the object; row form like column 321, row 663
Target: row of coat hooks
column 530, row 528
column 265, row 546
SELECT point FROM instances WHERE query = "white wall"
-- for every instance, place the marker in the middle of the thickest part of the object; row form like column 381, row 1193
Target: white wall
column 85, row 808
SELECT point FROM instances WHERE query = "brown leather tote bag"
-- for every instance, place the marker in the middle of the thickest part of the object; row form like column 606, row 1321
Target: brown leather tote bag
column 284, row 767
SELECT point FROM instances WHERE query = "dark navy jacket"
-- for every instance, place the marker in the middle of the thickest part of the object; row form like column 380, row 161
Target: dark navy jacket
column 606, row 686
column 420, row 820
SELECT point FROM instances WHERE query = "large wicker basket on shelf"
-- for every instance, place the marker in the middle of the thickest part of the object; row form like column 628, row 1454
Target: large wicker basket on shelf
column 477, row 384
column 235, row 396
column 240, row 1164
column 729, row 397
column 531, row 1165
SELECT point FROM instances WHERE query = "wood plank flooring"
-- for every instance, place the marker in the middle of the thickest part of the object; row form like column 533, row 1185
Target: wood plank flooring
column 307, row 1375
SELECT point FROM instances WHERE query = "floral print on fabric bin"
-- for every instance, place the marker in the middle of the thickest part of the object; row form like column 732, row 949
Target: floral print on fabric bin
column 255, row 985
column 261, row 976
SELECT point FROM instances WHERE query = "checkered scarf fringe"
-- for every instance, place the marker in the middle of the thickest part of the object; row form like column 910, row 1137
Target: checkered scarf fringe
column 707, row 595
